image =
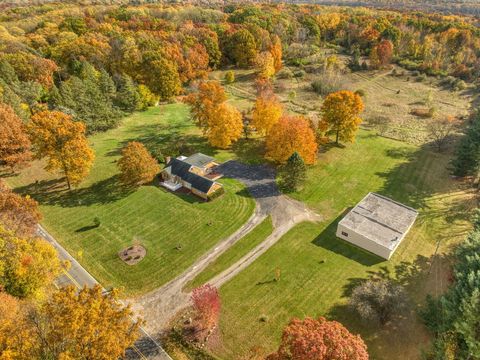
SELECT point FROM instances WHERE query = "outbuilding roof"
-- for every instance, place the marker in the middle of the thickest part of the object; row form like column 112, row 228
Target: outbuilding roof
column 199, row 160
column 380, row 219
column 181, row 169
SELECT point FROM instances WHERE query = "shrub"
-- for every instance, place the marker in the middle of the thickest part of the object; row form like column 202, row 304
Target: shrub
column 285, row 73
column 230, row 77
column 327, row 83
column 421, row 78
column 299, row 74
column 96, row 221
column 263, row 318
column 459, row 85
column 360, row 92
column 216, row 194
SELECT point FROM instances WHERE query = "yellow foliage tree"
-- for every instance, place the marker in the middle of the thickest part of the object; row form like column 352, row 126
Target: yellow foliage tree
column 265, row 65
column 56, row 136
column 17, row 339
column 225, row 126
column 220, row 122
column 136, row 165
column 341, row 115
column 291, row 134
column 29, row 265
column 85, row 325
column 266, row 113
column 276, row 51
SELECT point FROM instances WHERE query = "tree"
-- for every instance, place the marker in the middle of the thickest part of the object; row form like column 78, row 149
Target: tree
column 381, row 54
column 136, row 165
column 206, row 303
column 291, row 134
column 276, row 51
column 14, row 142
column 220, row 122
column 225, row 127
column 54, row 135
column 467, row 155
column 293, row 173
column 17, row 339
column 202, row 103
column 128, row 97
column 341, row 114
column 265, row 64
column 378, row 300
column 17, row 213
column 163, row 78
column 439, row 130
column 84, row 325
column 320, row 339
column 29, row 264
column 266, row 112
column 241, row 48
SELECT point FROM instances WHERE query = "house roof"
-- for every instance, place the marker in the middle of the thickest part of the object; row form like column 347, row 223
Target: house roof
column 199, row 160
column 181, row 169
column 380, row 219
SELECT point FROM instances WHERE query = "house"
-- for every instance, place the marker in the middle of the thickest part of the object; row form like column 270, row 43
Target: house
column 377, row 224
column 195, row 173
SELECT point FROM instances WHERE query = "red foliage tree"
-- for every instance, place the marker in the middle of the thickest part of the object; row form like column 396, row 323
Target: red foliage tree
column 206, row 302
column 320, row 339
column 384, row 52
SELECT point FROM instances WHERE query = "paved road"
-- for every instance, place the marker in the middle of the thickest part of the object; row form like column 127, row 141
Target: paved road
column 158, row 306
column 146, row 347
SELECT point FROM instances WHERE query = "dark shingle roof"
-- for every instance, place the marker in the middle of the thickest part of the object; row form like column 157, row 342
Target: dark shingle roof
column 199, row 160
column 182, row 169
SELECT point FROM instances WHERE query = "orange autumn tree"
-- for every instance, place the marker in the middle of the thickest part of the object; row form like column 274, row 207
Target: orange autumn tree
column 136, row 165
column 56, row 136
column 381, row 54
column 14, row 141
column 320, row 339
column 276, row 51
column 17, row 337
column 291, row 134
column 17, row 213
column 266, row 112
column 341, row 115
column 85, row 322
column 221, row 123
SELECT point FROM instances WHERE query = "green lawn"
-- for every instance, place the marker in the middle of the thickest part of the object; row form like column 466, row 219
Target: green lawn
column 318, row 270
column 159, row 220
column 235, row 253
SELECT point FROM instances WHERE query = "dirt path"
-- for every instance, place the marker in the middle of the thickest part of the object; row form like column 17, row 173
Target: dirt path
column 158, row 306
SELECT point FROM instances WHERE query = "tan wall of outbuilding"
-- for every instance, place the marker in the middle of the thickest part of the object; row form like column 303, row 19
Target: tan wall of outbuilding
column 363, row 242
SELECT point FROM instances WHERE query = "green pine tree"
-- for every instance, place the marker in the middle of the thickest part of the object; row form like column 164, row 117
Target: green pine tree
column 128, row 97
column 294, row 173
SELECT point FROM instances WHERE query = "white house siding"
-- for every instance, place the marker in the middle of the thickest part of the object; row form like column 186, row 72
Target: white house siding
column 363, row 242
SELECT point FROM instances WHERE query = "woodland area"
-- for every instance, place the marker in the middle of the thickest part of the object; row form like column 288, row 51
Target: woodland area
column 338, row 101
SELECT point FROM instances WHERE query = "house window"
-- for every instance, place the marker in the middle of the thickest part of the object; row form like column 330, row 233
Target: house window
column 344, row 233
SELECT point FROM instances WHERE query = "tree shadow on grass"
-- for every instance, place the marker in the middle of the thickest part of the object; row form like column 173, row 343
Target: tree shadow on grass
column 329, row 241
column 52, row 193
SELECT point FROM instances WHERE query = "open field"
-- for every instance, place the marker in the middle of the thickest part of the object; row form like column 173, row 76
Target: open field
column 159, row 220
column 318, row 270
column 241, row 248
column 386, row 95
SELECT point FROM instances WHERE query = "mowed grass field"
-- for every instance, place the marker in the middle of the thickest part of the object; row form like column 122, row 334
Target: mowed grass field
column 174, row 229
column 318, row 270
column 235, row 253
